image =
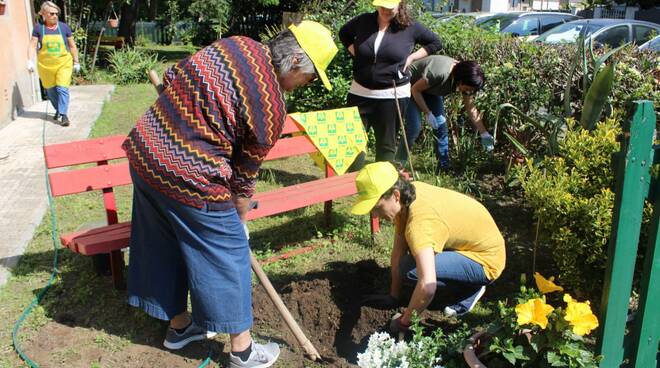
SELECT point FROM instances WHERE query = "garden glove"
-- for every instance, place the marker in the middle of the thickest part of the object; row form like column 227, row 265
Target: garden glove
column 397, row 326
column 488, row 142
column 30, row 65
column 76, row 67
column 380, row 301
column 432, row 121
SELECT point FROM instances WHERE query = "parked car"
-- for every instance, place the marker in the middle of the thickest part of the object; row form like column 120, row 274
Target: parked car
column 610, row 32
column 652, row 45
column 444, row 17
column 528, row 24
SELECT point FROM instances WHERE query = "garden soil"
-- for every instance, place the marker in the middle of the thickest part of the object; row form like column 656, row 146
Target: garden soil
column 326, row 304
column 327, row 307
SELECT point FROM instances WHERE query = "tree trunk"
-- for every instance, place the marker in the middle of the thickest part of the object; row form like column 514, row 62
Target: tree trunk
column 128, row 15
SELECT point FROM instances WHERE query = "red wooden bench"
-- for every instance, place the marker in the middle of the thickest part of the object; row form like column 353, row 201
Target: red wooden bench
column 110, row 239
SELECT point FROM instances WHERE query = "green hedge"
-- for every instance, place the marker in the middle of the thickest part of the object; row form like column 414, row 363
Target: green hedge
column 571, row 192
column 530, row 76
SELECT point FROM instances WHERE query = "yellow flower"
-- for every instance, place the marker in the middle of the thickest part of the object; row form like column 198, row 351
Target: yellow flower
column 546, row 286
column 580, row 316
column 534, row 311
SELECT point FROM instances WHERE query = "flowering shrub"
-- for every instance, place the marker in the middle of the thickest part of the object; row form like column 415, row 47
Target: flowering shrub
column 535, row 333
column 422, row 352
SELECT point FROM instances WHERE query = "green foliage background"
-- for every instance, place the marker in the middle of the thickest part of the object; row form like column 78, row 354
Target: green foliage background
column 572, row 192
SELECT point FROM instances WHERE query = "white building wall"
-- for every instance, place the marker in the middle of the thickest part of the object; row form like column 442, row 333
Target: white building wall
column 545, row 5
column 496, row 6
column 464, row 6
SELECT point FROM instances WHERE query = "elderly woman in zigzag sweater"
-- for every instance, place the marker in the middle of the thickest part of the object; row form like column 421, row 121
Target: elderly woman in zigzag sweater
column 194, row 158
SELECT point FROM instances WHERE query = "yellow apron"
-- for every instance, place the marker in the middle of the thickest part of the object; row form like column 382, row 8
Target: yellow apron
column 54, row 62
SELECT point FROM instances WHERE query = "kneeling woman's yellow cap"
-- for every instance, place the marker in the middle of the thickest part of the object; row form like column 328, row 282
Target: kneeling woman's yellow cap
column 372, row 182
column 317, row 42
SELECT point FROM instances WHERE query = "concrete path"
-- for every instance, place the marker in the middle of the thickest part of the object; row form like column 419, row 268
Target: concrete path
column 23, row 199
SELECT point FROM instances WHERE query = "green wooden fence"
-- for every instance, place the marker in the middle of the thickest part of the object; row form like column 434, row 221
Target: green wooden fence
column 632, row 341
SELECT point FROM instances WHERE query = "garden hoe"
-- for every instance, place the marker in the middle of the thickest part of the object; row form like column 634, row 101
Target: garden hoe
column 265, row 282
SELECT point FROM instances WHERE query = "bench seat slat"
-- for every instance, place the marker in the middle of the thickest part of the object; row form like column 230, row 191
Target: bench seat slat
column 99, row 240
column 88, row 179
column 113, row 237
column 84, row 152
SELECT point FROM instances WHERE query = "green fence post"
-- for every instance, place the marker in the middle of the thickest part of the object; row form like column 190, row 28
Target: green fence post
column 646, row 333
column 631, row 188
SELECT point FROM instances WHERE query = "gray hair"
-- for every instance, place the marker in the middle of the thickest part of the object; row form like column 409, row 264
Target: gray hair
column 49, row 4
column 285, row 49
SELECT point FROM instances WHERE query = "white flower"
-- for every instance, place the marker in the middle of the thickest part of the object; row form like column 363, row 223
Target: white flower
column 384, row 352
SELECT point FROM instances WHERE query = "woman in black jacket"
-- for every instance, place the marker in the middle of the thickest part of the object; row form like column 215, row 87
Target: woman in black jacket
column 382, row 45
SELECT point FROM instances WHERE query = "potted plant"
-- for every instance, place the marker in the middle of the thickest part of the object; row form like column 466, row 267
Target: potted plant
column 542, row 330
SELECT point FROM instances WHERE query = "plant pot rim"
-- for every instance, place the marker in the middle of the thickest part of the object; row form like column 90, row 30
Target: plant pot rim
column 469, row 352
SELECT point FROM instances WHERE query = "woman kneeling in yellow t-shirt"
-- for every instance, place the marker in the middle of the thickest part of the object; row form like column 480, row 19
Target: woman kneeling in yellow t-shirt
column 444, row 240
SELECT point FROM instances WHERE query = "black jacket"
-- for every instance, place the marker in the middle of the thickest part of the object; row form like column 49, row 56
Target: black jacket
column 397, row 44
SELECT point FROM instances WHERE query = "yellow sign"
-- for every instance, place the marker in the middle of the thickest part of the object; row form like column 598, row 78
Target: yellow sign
column 337, row 134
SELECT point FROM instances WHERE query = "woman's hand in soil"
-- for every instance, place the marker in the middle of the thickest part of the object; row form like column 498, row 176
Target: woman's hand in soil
column 397, row 325
column 381, row 301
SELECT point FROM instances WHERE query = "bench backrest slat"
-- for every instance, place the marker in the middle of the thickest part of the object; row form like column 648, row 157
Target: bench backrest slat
column 84, row 152
column 293, row 146
column 88, row 179
column 106, row 175
column 290, row 126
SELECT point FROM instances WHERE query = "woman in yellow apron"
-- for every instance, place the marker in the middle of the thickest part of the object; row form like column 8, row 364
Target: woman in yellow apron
column 56, row 49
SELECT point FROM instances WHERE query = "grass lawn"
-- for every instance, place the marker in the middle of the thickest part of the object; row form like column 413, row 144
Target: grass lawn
column 84, row 322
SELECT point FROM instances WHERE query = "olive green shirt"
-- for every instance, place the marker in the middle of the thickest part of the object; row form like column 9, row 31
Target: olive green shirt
column 436, row 70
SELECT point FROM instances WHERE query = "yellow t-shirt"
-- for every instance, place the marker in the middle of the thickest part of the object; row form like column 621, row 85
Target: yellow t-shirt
column 443, row 219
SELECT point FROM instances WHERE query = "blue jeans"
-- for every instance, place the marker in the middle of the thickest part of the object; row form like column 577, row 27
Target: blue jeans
column 414, row 126
column 176, row 249
column 59, row 98
column 459, row 278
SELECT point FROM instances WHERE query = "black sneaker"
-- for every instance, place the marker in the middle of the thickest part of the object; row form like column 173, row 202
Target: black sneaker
column 175, row 340
column 56, row 117
column 65, row 121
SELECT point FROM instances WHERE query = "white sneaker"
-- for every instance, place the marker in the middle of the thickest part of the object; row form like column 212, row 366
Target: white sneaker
column 262, row 356
column 450, row 312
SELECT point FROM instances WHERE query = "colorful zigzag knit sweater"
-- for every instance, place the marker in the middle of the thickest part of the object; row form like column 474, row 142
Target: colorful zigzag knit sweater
column 208, row 132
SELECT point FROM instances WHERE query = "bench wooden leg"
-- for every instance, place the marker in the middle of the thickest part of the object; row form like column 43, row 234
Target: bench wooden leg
column 117, row 267
column 375, row 225
column 327, row 212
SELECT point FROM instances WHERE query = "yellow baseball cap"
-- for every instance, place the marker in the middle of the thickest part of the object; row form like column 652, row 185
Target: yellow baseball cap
column 317, row 42
column 389, row 4
column 372, row 182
